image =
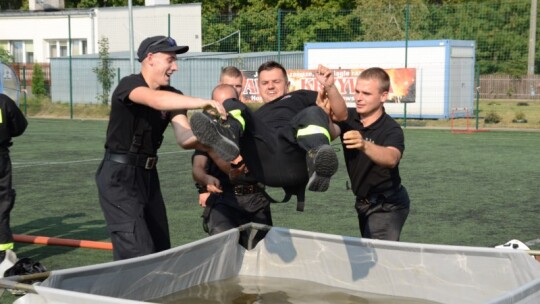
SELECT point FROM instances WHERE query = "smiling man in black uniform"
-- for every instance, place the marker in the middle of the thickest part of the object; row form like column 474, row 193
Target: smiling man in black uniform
column 373, row 146
column 142, row 106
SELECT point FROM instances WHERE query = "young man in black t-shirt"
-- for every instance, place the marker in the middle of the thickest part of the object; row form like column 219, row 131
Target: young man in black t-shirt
column 373, row 145
column 285, row 143
column 142, row 106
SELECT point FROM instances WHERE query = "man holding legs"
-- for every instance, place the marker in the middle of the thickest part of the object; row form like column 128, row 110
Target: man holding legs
column 373, row 145
column 142, row 106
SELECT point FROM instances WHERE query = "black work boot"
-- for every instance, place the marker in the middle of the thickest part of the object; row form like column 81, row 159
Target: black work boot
column 322, row 163
column 214, row 134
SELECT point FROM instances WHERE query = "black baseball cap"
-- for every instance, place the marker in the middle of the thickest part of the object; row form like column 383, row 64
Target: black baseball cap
column 159, row 44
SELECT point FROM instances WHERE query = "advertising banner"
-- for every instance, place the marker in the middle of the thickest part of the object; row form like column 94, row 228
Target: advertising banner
column 402, row 84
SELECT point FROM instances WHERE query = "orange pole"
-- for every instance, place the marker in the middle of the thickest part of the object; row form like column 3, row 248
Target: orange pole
column 45, row 240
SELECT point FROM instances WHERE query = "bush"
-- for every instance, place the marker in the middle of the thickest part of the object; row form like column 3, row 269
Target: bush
column 522, row 103
column 38, row 81
column 492, row 117
column 520, row 117
column 5, row 56
column 105, row 71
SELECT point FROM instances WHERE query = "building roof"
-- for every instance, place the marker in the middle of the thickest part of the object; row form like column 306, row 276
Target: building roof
column 64, row 12
column 188, row 55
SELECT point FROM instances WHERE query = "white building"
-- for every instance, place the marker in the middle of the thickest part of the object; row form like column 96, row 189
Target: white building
column 44, row 33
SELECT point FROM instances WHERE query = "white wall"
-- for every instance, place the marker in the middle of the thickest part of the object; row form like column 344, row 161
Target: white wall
column 43, row 28
column 112, row 23
column 431, row 59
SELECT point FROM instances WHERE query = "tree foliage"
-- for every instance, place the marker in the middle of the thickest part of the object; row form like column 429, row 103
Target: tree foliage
column 257, row 25
column 313, row 25
column 500, row 28
column 5, row 56
column 100, row 3
column 11, row 5
column 39, row 87
column 104, row 71
column 386, row 20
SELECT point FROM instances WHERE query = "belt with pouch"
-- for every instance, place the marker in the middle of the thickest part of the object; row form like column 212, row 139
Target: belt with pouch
column 247, row 189
column 376, row 197
column 137, row 160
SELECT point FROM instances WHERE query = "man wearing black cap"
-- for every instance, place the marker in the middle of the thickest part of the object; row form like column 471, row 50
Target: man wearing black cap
column 142, row 106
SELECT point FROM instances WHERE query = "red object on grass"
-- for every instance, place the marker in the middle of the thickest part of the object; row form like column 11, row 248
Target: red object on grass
column 45, row 240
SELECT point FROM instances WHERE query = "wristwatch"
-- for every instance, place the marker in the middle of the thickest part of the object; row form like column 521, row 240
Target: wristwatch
column 200, row 188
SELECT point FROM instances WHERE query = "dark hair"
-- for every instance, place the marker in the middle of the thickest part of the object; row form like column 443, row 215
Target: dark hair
column 231, row 71
column 377, row 74
column 270, row 65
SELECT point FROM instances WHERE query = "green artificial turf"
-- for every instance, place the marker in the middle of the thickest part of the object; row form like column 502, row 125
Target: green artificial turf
column 478, row 189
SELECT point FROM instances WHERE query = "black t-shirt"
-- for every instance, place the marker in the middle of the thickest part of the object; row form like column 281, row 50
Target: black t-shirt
column 272, row 135
column 365, row 176
column 131, row 122
column 278, row 113
column 212, row 169
column 273, row 120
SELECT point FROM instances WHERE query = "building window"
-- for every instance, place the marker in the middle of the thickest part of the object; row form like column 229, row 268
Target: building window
column 59, row 48
column 17, row 50
column 75, row 48
column 63, row 45
column 29, row 52
column 29, row 57
column 22, row 51
column 52, row 50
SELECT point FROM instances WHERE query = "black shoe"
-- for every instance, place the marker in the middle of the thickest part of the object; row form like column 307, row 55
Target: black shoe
column 2, row 255
column 214, row 134
column 322, row 164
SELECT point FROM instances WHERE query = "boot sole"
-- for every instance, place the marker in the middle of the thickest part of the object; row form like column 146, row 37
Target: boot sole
column 207, row 133
column 326, row 165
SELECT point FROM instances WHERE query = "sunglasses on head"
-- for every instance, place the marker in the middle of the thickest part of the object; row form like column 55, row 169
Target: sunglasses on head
column 171, row 42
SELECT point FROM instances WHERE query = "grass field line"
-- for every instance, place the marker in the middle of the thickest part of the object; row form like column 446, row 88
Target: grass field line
column 532, row 242
column 493, row 134
column 51, row 163
column 54, row 163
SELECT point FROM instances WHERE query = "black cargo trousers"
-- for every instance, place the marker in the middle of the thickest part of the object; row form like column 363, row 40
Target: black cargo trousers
column 7, row 200
column 134, row 209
